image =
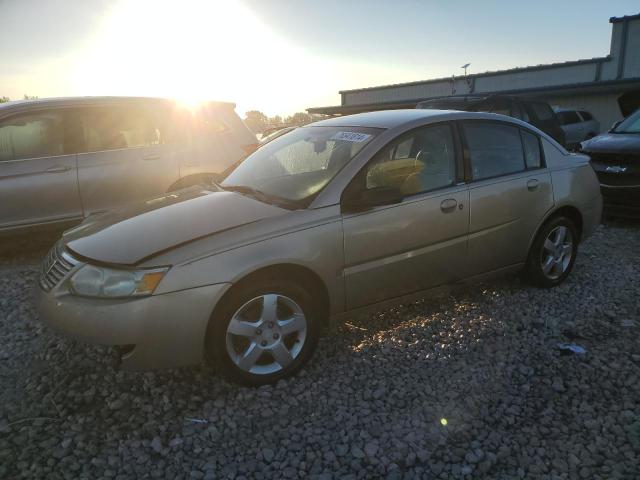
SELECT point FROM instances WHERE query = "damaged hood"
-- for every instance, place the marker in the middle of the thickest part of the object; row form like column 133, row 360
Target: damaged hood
column 128, row 235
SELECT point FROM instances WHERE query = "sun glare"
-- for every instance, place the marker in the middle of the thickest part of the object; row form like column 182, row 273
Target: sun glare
column 195, row 50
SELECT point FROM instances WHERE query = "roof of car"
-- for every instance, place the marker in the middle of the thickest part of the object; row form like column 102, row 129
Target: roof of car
column 394, row 118
column 66, row 101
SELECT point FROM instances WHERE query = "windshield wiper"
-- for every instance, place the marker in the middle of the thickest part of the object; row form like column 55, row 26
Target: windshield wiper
column 260, row 195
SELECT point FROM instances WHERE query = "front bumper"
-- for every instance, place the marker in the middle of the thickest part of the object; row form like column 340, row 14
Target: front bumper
column 166, row 330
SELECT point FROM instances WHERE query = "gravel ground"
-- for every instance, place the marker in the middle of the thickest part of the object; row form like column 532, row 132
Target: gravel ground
column 467, row 385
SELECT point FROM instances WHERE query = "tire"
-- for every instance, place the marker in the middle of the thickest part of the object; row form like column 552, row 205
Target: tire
column 549, row 264
column 253, row 346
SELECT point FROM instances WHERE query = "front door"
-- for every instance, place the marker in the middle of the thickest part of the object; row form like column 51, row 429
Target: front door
column 38, row 182
column 125, row 157
column 510, row 193
column 419, row 243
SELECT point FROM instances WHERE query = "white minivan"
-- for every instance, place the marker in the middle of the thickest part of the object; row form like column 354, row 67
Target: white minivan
column 64, row 159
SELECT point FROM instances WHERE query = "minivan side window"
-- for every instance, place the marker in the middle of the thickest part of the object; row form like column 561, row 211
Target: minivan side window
column 114, row 128
column 532, row 154
column 420, row 161
column 494, row 149
column 32, row 135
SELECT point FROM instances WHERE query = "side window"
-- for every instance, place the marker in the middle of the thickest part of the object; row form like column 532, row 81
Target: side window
column 568, row 117
column 542, row 111
column 114, row 128
column 494, row 149
column 531, row 145
column 418, row 162
column 31, row 136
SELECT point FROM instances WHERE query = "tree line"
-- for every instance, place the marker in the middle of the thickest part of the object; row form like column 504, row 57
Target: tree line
column 4, row 99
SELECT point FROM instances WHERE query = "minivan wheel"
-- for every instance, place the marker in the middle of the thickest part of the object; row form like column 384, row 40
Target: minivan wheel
column 553, row 253
column 263, row 333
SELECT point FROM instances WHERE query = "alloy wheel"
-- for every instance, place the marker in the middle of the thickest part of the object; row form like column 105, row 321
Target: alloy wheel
column 266, row 334
column 557, row 252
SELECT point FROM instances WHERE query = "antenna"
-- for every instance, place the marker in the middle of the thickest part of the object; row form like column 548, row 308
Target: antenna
column 465, row 66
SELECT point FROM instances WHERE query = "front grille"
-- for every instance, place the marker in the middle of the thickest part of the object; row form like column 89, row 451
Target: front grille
column 55, row 267
column 616, row 170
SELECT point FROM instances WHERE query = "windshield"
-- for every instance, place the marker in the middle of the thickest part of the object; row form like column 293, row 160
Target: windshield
column 294, row 167
column 631, row 124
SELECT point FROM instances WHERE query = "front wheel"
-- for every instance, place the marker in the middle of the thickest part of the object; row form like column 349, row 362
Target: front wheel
column 263, row 333
column 553, row 253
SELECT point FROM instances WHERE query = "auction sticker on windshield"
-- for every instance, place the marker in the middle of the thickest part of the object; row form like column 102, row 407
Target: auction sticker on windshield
column 351, row 137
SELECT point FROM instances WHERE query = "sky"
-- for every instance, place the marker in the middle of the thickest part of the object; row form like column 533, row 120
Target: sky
column 281, row 56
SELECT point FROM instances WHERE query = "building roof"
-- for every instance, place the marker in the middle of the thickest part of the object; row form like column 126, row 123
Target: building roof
column 484, row 74
column 588, row 87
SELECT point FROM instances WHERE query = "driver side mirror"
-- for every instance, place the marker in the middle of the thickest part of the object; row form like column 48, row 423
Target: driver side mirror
column 373, row 197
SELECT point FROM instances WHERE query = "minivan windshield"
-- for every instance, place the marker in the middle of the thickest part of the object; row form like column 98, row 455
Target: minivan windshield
column 293, row 168
column 631, row 124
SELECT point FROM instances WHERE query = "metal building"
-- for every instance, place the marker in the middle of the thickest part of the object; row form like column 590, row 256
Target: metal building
column 608, row 87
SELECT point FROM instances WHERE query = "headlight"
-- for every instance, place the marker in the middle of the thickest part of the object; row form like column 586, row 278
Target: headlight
column 92, row 281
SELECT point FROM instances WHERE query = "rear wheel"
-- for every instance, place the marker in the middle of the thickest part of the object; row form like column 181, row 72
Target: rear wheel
column 263, row 333
column 553, row 253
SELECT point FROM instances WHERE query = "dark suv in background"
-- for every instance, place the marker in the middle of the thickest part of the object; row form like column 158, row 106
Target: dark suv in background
column 537, row 113
column 615, row 156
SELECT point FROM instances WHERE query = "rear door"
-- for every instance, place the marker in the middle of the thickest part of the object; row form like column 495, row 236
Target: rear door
column 419, row 243
column 38, row 182
column 510, row 193
column 125, row 157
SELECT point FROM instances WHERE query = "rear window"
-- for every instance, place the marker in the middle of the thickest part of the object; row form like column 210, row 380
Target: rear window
column 499, row 105
column 542, row 110
column 568, row 118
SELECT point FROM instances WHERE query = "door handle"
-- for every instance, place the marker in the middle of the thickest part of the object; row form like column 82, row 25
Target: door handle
column 448, row 205
column 532, row 185
column 151, row 157
column 58, row 169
